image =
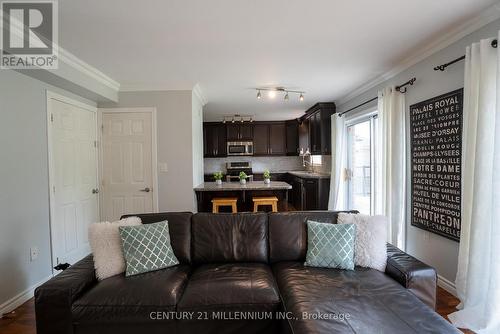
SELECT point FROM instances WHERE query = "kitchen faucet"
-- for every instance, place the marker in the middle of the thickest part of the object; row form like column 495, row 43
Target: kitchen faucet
column 304, row 161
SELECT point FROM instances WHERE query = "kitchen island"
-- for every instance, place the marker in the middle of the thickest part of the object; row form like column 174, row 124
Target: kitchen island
column 206, row 191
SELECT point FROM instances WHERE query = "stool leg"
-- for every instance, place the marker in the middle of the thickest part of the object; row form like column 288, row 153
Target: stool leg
column 215, row 208
column 275, row 207
column 255, row 207
column 234, row 208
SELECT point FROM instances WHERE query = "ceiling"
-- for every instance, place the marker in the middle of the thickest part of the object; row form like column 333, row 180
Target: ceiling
column 326, row 48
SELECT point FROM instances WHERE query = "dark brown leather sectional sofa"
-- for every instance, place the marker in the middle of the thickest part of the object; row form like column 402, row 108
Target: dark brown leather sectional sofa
column 243, row 273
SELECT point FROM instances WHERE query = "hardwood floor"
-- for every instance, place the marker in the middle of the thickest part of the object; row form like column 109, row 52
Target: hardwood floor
column 22, row 320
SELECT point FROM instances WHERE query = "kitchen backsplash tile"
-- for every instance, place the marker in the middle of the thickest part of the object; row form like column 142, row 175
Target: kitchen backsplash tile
column 260, row 164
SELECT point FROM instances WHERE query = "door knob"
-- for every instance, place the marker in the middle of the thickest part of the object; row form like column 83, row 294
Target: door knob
column 146, row 190
column 95, row 191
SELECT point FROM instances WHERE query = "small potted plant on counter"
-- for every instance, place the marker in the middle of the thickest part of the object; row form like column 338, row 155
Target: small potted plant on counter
column 243, row 178
column 267, row 177
column 218, row 178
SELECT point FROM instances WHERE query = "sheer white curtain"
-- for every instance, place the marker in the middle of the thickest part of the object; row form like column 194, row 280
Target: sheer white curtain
column 336, row 199
column 392, row 163
column 478, row 276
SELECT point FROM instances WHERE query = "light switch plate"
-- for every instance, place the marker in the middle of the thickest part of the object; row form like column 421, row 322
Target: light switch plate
column 33, row 253
column 163, row 167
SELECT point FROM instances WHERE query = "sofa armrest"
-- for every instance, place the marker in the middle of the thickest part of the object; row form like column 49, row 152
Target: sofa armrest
column 413, row 274
column 54, row 298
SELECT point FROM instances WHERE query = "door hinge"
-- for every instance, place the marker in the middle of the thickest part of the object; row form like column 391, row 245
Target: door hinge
column 96, row 143
column 54, row 189
column 102, row 127
column 52, row 118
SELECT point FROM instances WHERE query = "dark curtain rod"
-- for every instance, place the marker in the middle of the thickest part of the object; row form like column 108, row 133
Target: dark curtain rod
column 441, row 68
column 398, row 88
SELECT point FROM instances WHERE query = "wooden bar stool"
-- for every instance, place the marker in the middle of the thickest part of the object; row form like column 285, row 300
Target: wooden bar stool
column 229, row 201
column 271, row 200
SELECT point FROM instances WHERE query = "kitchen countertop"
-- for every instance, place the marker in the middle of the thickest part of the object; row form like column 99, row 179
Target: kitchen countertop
column 236, row 186
column 310, row 175
column 298, row 173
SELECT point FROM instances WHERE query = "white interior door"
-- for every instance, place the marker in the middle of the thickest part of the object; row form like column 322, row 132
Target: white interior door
column 127, row 158
column 73, row 177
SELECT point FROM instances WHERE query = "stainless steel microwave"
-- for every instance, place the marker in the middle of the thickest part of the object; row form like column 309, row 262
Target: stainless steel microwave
column 239, row 148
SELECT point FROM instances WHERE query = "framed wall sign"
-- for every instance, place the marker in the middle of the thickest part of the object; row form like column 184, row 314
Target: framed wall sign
column 436, row 151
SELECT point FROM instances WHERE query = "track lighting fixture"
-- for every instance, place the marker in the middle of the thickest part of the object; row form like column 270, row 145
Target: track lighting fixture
column 237, row 118
column 273, row 91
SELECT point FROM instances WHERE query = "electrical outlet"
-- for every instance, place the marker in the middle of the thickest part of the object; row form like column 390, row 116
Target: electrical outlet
column 34, row 253
column 163, row 167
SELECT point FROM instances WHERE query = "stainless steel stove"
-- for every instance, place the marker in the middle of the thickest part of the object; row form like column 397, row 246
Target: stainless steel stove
column 234, row 168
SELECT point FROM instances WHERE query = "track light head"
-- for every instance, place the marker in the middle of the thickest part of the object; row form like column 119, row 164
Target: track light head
column 301, row 97
column 286, row 97
column 259, row 95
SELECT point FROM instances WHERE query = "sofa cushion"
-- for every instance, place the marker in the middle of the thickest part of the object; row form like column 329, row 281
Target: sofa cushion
column 240, row 237
column 288, row 233
column 179, row 224
column 231, row 287
column 330, row 245
column 131, row 299
column 364, row 300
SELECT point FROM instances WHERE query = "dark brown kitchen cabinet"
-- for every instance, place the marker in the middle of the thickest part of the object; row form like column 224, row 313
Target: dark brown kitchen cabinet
column 277, row 139
column 214, row 140
column 261, row 139
column 304, row 135
column 239, row 131
column 318, row 122
column 309, row 193
column 292, row 137
column 269, row 138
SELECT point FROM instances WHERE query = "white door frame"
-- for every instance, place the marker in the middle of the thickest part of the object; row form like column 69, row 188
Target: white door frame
column 154, row 155
column 50, row 95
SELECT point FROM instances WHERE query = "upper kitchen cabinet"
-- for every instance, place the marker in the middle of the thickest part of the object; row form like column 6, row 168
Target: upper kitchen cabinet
column 277, row 138
column 239, row 131
column 214, row 140
column 304, row 135
column 320, row 133
column 261, row 139
column 269, row 138
column 292, row 137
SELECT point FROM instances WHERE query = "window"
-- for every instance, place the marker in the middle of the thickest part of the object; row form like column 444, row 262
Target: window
column 316, row 160
column 360, row 167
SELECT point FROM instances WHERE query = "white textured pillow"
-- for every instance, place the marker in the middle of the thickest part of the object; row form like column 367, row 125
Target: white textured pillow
column 106, row 246
column 371, row 235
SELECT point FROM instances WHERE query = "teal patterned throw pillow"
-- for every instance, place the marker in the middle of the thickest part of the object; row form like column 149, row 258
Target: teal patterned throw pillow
column 147, row 248
column 330, row 245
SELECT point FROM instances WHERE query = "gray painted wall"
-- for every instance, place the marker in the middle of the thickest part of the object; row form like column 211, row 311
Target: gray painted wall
column 428, row 247
column 175, row 143
column 24, row 199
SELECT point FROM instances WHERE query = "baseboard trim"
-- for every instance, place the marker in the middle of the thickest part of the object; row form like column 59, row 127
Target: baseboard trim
column 21, row 298
column 447, row 285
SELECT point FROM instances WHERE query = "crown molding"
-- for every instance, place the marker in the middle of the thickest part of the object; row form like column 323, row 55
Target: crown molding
column 71, row 60
column 196, row 89
column 199, row 94
column 487, row 16
column 130, row 87
column 87, row 69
